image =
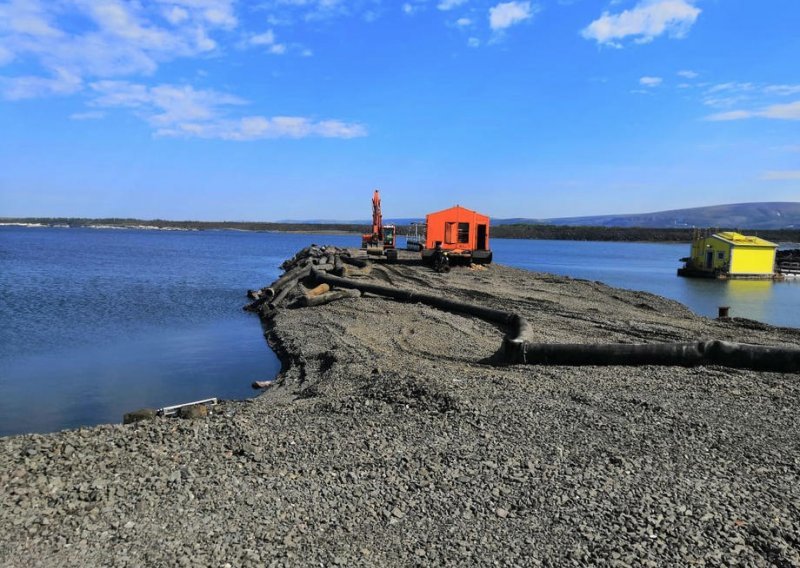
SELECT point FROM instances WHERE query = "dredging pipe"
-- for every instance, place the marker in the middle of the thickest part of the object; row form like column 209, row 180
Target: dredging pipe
column 518, row 349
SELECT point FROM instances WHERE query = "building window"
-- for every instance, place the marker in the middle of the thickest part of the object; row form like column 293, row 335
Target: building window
column 721, row 255
column 463, row 232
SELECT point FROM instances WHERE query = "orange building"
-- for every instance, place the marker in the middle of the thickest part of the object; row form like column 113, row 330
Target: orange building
column 461, row 232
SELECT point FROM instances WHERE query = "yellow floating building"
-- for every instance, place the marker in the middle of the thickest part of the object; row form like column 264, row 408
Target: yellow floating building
column 730, row 255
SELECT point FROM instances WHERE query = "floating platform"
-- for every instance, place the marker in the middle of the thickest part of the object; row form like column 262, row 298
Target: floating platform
column 721, row 275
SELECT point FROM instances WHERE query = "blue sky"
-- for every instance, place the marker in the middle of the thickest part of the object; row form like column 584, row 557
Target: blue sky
column 297, row 109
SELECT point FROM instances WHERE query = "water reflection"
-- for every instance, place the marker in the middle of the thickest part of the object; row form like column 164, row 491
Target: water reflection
column 652, row 267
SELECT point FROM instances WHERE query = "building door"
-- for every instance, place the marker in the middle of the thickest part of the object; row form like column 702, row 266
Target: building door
column 481, row 245
column 709, row 259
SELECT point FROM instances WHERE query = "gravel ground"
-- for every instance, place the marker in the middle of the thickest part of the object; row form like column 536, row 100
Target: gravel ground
column 386, row 442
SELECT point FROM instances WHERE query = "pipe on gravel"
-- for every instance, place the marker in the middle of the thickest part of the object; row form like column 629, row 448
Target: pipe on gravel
column 713, row 352
column 288, row 287
column 516, row 347
column 328, row 297
column 357, row 262
column 296, row 273
column 489, row 314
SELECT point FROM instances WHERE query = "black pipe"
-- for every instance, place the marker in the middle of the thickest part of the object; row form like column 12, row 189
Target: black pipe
column 488, row 314
column 517, row 349
column 357, row 262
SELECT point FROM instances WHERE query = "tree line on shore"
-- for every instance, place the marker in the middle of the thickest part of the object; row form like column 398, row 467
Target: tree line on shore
column 513, row 231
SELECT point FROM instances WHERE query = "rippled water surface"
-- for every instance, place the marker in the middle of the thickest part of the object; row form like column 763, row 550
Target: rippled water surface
column 652, row 267
column 98, row 322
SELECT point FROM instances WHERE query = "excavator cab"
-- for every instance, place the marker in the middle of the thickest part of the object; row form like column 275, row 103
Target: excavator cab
column 381, row 241
column 388, row 236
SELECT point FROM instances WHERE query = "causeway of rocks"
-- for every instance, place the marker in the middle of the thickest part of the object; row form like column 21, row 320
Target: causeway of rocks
column 389, row 439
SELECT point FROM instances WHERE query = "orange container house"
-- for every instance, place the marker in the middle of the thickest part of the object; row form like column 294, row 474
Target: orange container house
column 461, row 232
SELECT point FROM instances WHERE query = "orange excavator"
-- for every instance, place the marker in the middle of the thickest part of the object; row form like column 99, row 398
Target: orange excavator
column 382, row 239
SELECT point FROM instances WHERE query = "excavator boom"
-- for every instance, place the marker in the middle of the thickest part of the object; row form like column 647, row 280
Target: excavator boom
column 377, row 218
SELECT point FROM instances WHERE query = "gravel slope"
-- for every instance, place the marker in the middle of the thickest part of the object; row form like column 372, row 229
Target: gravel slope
column 388, row 443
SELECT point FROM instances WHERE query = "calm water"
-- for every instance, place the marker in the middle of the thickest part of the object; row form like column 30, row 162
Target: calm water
column 100, row 322
column 651, row 267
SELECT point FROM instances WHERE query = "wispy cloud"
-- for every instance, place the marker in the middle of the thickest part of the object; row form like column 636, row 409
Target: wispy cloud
column 650, row 81
column 88, row 115
column 445, row 5
column 61, row 82
column 687, row 74
column 507, row 14
column 644, row 22
column 782, row 90
column 186, row 112
column 114, row 38
column 106, row 49
column 266, row 40
column 784, row 175
column 738, row 100
column 788, row 111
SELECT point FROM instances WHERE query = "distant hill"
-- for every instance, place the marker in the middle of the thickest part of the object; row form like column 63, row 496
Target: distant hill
column 368, row 222
column 776, row 215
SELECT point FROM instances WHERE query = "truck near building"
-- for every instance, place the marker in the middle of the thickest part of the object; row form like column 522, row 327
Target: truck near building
column 730, row 255
column 460, row 233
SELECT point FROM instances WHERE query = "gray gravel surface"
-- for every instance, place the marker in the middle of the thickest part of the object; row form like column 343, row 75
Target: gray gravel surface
column 386, row 442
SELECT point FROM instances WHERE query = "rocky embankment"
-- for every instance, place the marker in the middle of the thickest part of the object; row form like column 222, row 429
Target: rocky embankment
column 388, row 440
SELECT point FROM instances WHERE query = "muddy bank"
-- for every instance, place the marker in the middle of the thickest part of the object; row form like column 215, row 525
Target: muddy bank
column 387, row 442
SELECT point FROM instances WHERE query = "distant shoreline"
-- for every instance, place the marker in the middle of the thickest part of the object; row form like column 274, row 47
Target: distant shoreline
column 506, row 231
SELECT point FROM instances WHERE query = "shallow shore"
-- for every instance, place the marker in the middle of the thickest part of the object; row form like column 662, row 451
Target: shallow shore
column 386, row 441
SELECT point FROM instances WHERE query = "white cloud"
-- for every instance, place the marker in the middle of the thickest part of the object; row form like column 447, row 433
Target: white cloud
column 216, row 13
column 507, row 14
column 185, row 112
column 785, row 175
column 687, row 74
column 463, row 22
column 650, row 81
column 789, row 111
column 29, row 18
column 116, row 38
column 782, row 90
column 62, row 82
column 644, row 22
column 267, row 38
column 6, row 56
column 88, row 115
column 408, row 8
column 730, row 115
column 445, row 5
column 101, row 48
column 473, row 42
column 176, row 15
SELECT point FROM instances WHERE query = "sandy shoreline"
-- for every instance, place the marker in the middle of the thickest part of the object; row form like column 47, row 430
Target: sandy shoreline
column 386, row 442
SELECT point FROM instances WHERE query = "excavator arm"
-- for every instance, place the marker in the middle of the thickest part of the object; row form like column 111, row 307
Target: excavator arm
column 377, row 217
